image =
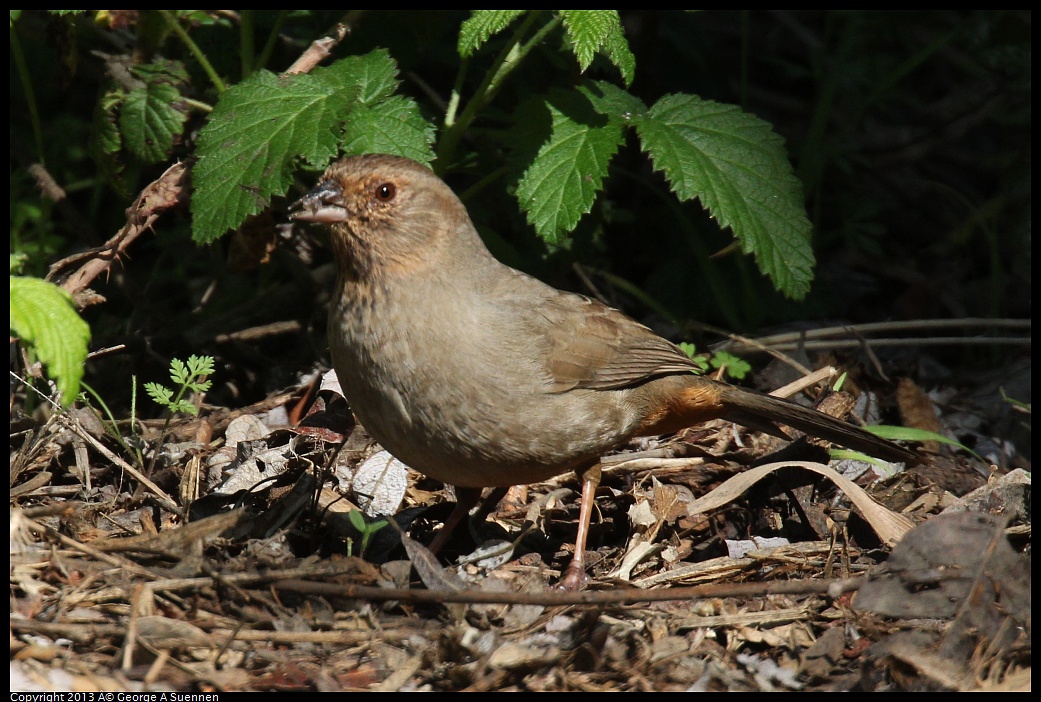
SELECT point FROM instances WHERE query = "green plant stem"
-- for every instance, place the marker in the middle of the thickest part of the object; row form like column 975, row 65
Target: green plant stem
column 207, row 67
column 111, row 426
column 246, row 47
column 30, row 94
column 815, row 149
column 513, row 59
column 133, row 401
column 197, row 104
column 158, row 445
column 480, row 185
column 746, row 32
column 457, row 90
column 505, row 63
column 166, row 425
column 272, row 39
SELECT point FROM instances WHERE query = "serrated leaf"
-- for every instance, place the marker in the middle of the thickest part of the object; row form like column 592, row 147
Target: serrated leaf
column 593, row 31
column 106, row 142
column 617, row 48
column 43, row 316
column 162, row 70
column 587, row 31
column 482, row 25
column 371, row 77
column 738, row 168
column 105, row 117
column 149, row 121
column 567, row 172
column 379, row 121
column 246, row 148
column 259, row 127
column 609, row 99
column 394, row 126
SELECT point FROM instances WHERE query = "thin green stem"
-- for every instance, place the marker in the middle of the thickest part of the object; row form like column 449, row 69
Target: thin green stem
column 515, row 57
column 816, row 149
column 30, row 95
column 133, row 402
column 111, row 426
column 207, row 67
column 480, row 185
column 457, row 90
column 746, row 45
column 246, row 47
column 505, row 63
column 272, row 39
column 197, row 104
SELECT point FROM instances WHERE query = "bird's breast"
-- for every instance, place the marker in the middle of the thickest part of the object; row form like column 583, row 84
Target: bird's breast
column 450, row 396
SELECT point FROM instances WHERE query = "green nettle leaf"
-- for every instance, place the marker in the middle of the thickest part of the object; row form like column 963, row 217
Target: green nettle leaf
column 371, row 77
column 583, row 131
column 394, row 126
column 566, row 174
column 593, row 31
column 162, row 70
column 150, row 117
column 106, row 142
column 106, row 133
column 738, row 168
column 482, row 25
column 42, row 314
column 248, row 147
column 617, row 48
column 587, row 30
column 149, row 121
column 609, row 99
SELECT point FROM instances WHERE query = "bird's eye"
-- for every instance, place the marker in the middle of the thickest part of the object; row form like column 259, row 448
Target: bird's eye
column 385, row 192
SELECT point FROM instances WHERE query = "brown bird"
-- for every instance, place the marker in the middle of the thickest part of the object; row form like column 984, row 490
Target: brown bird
column 479, row 375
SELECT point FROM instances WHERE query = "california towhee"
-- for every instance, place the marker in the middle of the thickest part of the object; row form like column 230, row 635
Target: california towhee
column 481, row 376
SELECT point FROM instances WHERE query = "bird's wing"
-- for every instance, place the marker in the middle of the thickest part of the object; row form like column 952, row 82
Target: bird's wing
column 589, row 345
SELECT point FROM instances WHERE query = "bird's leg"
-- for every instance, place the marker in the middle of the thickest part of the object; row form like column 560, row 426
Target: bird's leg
column 489, row 503
column 465, row 500
column 575, row 574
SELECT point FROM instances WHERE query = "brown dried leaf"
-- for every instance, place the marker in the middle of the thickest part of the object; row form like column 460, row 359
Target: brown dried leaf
column 889, row 525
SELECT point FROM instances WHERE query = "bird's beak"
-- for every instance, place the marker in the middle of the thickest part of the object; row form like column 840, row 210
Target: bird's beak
column 324, row 204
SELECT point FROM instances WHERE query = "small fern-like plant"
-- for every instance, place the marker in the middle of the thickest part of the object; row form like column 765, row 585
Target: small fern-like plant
column 190, row 377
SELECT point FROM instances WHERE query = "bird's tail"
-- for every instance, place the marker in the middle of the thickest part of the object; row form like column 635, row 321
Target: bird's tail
column 765, row 412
